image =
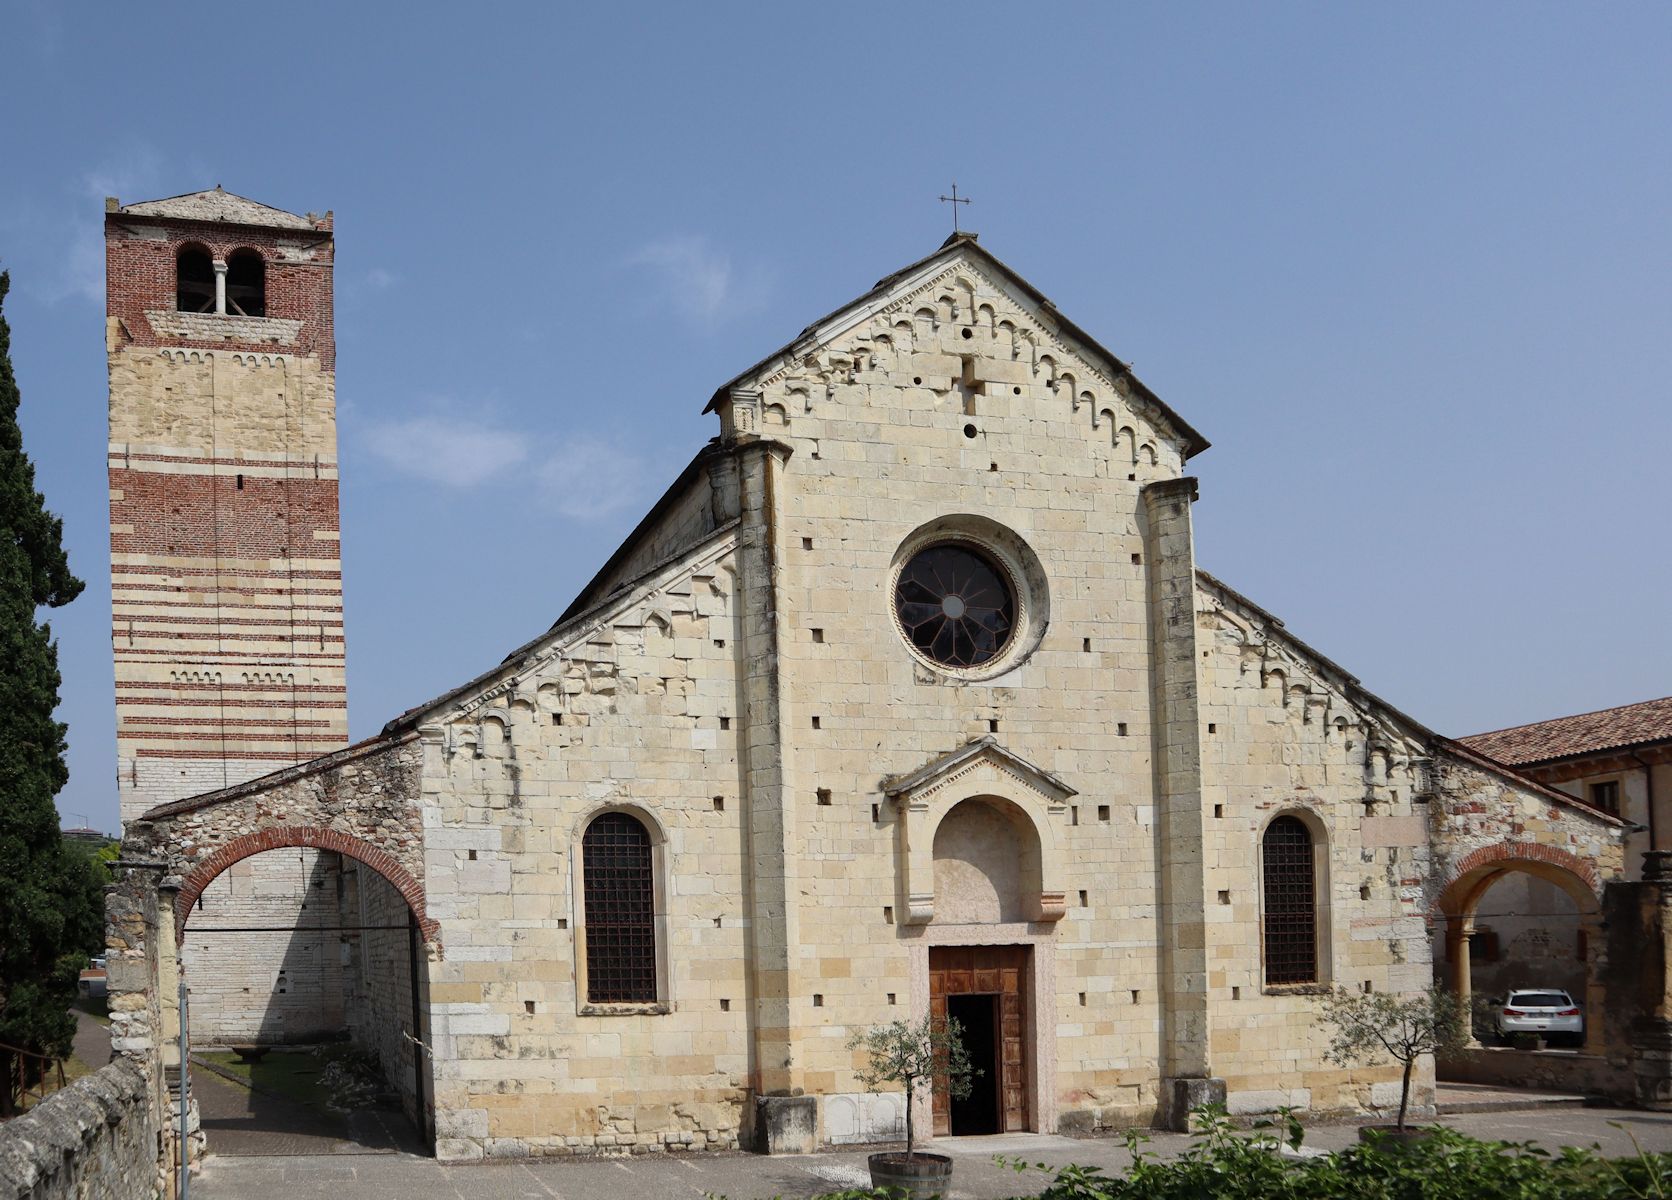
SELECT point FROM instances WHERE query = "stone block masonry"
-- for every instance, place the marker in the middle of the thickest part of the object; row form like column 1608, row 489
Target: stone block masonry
column 95, row 1138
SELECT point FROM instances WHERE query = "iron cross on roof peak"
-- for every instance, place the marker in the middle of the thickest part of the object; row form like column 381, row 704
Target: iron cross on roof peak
column 955, row 200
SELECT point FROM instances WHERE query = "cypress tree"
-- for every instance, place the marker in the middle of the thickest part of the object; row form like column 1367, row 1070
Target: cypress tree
column 44, row 929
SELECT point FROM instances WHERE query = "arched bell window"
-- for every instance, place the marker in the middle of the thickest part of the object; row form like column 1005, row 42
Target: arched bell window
column 1290, row 893
column 618, row 866
column 194, row 280
column 246, row 284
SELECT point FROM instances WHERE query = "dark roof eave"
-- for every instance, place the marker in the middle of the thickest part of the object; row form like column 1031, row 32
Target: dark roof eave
column 1557, row 760
column 1195, row 443
column 210, row 223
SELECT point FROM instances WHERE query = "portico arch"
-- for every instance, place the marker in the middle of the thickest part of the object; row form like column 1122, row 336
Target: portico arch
column 281, row 837
column 1473, row 875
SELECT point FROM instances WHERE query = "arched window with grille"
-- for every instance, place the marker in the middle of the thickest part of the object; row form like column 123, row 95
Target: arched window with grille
column 194, row 280
column 618, row 868
column 1290, row 879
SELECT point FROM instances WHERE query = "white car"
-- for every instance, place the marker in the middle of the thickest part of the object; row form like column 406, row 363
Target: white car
column 1546, row 1011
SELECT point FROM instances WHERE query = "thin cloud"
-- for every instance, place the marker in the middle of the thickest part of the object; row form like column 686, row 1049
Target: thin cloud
column 581, row 477
column 452, row 450
column 699, row 280
column 132, row 174
column 587, row 479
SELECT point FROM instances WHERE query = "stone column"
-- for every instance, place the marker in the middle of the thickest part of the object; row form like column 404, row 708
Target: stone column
column 1596, row 990
column 220, row 286
column 1462, row 978
column 1186, row 1071
column 1640, row 959
column 784, row 1118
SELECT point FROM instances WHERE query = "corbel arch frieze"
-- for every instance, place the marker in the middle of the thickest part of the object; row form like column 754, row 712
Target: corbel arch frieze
column 980, row 769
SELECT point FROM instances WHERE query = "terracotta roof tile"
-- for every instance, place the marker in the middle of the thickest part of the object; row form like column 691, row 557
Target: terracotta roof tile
column 1587, row 733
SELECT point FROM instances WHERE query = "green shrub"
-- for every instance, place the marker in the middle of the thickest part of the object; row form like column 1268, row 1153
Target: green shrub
column 1223, row 1163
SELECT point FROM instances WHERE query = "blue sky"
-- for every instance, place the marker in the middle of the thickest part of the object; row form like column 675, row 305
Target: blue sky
column 1406, row 266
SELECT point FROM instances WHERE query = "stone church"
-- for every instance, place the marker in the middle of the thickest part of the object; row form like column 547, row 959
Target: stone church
column 907, row 697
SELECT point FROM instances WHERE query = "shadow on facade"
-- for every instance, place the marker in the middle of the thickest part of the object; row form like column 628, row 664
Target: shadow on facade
column 313, row 957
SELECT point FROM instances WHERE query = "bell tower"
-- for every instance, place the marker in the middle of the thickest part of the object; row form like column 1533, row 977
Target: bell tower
column 226, row 574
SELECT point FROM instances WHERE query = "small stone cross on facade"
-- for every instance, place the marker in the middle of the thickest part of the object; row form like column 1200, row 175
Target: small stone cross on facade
column 955, row 200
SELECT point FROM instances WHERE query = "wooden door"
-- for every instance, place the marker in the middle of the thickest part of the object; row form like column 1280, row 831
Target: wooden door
column 1000, row 971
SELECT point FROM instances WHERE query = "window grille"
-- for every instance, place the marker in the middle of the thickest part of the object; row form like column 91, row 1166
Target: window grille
column 620, row 911
column 1291, row 910
column 955, row 605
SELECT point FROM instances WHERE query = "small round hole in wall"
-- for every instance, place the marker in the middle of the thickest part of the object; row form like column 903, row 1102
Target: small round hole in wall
column 917, row 380
column 968, row 333
column 969, row 431
column 1015, row 391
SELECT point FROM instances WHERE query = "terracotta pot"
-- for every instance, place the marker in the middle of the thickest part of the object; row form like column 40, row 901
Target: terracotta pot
column 1392, row 1136
column 919, row 1177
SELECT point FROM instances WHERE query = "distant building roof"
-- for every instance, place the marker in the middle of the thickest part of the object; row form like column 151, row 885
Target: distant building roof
column 217, row 204
column 1587, row 733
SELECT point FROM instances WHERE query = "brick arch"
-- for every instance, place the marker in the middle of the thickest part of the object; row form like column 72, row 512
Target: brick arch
column 1477, row 865
column 283, row 837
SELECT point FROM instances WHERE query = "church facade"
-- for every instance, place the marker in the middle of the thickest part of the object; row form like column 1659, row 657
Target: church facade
column 908, row 697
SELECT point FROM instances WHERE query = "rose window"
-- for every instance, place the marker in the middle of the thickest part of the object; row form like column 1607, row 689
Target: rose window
column 956, row 605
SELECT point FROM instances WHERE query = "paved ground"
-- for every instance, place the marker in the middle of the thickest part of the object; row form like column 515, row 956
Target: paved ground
column 242, row 1122
column 1454, row 1098
column 747, row 1177
column 92, row 1040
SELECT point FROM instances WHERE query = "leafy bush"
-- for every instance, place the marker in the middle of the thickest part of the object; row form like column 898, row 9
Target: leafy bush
column 1228, row 1165
column 1223, row 1163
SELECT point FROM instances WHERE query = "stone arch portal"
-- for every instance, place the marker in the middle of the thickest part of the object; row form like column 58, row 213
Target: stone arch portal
column 1473, row 875
column 361, row 803
column 285, row 837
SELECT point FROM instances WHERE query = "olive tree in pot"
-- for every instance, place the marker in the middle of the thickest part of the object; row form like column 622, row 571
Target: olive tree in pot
column 1370, row 1026
column 910, row 1053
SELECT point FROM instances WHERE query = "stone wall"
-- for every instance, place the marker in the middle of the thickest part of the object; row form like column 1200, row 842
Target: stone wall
column 275, row 975
column 227, row 615
column 379, row 1000
column 362, row 802
column 629, row 706
column 1284, row 731
column 749, row 702
column 95, row 1138
column 757, row 706
column 1583, row 1074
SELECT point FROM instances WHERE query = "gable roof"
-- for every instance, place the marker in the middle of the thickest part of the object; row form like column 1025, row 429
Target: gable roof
column 572, row 624
column 1355, row 693
column 1584, row 733
column 217, row 204
column 964, row 245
